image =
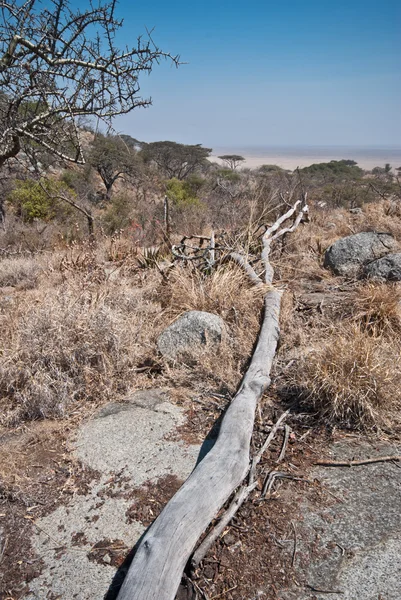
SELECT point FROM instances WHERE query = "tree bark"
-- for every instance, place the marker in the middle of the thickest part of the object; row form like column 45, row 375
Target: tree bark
column 158, row 565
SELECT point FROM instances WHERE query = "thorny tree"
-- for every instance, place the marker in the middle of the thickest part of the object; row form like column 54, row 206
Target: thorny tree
column 58, row 65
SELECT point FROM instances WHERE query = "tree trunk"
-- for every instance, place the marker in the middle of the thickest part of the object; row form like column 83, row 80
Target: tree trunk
column 158, row 565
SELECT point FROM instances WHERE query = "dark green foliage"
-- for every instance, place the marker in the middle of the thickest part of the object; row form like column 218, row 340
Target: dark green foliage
column 176, row 160
column 228, row 175
column 266, row 169
column 333, row 170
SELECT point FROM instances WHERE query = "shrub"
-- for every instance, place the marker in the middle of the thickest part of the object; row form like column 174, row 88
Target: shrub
column 182, row 193
column 376, row 308
column 71, row 344
column 20, row 271
column 229, row 175
column 118, row 215
column 31, row 201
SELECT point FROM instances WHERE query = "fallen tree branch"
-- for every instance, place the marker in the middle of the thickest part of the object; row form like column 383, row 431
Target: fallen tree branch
column 355, row 463
column 238, row 500
column 156, row 570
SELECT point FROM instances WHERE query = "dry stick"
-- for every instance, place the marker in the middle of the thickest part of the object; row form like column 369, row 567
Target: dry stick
column 258, row 456
column 355, row 463
column 268, row 484
column 295, row 544
column 163, row 552
column 212, row 253
column 287, row 430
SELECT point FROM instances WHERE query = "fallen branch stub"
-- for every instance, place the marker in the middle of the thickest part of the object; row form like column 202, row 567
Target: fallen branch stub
column 161, row 557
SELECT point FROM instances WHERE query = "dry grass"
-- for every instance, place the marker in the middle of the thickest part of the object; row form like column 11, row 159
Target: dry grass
column 228, row 293
column 87, row 332
column 73, row 340
column 82, row 337
column 21, row 272
column 350, row 380
column 376, row 307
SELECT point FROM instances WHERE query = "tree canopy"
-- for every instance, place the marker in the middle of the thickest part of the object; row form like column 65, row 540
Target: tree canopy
column 111, row 158
column 176, row 160
column 232, row 160
column 59, row 64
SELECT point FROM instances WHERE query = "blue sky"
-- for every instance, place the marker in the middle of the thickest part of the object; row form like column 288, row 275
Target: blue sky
column 289, row 72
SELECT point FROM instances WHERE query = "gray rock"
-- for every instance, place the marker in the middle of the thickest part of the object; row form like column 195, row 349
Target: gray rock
column 128, row 445
column 348, row 255
column 356, row 211
column 388, row 267
column 193, row 331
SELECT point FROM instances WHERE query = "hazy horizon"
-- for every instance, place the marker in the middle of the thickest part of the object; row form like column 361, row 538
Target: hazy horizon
column 299, row 73
column 290, row 157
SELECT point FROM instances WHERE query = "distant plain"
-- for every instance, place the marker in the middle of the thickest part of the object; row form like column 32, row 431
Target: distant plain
column 303, row 156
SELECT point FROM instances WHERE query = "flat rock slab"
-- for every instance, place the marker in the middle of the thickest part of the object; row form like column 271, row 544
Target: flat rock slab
column 127, row 445
column 133, row 436
column 351, row 548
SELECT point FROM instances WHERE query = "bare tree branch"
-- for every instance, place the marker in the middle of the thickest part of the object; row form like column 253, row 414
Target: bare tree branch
column 58, row 64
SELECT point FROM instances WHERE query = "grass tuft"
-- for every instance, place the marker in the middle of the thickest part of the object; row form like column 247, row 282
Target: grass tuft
column 350, row 380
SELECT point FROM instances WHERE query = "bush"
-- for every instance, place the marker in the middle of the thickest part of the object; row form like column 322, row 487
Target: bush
column 31, row 201
column 182, row 193
column 228, row 175
column 20, row 271
column 118, row 215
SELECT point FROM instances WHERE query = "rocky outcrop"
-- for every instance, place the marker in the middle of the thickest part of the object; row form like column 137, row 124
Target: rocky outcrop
column 386, row 268
column 349, row 255
column 193, row 331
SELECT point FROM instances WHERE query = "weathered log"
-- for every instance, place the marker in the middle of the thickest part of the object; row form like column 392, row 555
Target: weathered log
column 159, row 562
column 163, row 553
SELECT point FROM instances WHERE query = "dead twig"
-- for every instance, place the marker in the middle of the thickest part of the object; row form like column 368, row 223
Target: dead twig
column 320, row 591
column 295, row 544
column 268, row 483
column 287, row 431
column 268, row 441
column 356, row 463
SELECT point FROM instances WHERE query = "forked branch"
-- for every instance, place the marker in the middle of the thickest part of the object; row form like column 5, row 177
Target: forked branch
column 157, row 568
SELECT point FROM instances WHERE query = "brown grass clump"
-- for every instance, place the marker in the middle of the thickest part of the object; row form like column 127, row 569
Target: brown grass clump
column 21, row 272
column 377, row 308
column 223, row 292
column 72, row 342
column 351, row 379
column 228, row 293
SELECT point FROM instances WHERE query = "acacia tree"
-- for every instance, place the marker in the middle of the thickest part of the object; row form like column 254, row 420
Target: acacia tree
column 58, row 65
column 232, row 160
column 176, row 160
column 112, row 159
